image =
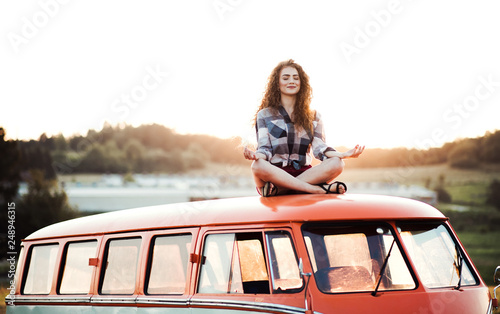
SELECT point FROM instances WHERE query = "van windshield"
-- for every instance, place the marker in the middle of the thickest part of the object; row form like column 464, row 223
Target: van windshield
column 356, row 257
column 437, row 257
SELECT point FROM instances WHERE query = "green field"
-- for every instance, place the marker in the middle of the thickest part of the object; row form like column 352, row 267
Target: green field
column 484, row 252
column 423, row 175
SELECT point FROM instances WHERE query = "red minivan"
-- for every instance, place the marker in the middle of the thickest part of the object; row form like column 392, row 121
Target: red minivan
column 286, row 254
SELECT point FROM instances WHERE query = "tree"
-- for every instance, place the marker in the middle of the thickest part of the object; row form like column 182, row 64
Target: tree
column 464, row 155
column 60, row 143
column 490, row 147
column 35, row 156
column 494, row 194
column 442, row 194
column 43, row 205
column 92, row 162
column 9, row 182
column 9, row 169
column 134, row 154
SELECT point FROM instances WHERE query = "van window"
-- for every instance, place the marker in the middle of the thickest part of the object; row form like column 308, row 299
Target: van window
column 233, row 263
column 120, row 269
column 285, row 272
column 435, row 255
column 17, row 275
column 41, row 269
column 350, row 258
column 169, row 263
column 77, row 274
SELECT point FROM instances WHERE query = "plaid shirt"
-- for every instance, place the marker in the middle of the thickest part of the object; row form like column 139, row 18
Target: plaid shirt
column 282, row 143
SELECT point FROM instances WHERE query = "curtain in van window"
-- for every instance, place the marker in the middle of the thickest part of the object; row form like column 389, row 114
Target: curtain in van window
column 234, row 263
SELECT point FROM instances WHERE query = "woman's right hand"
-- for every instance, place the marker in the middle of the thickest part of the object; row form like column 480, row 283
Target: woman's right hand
column 251, row 155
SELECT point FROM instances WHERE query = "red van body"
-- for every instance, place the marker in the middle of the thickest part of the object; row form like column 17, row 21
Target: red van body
column 286, row 254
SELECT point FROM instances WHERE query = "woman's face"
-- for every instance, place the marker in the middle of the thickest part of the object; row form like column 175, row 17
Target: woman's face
column 289, row 81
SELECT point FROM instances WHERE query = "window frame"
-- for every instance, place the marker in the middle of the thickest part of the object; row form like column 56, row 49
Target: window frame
column 235, row 234
column 27, row 266
column 149, row 262
column 456, row 242
column 390, row 225
column 289, row 234
column 103, row 257
column 62, row 264
column 266, row 254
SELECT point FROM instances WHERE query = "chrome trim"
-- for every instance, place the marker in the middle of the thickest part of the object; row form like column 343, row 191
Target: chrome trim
column 268, row 244
column 490, row 308
column 248, row 305
column 224, row 303
column 49, row 299
column 114, row 300
column 162, row 301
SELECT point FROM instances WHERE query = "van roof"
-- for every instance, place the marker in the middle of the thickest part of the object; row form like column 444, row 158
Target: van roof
column 245, row 210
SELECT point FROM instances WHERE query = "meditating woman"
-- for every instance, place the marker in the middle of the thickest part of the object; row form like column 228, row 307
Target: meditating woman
column 287, row 131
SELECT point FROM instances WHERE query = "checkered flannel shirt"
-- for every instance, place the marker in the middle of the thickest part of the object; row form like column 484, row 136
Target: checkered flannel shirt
column 282, row 143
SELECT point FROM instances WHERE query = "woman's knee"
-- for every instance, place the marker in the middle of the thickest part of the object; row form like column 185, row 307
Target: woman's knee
column 335, row 166
column 258, row 167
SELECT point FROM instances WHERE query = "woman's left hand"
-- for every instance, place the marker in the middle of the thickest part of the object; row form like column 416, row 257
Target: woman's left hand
column 355, row 152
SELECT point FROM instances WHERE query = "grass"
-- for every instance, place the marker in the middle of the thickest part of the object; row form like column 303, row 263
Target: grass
column 474, row 193
column 423, row 175
column 3, row 293
column 484, row 252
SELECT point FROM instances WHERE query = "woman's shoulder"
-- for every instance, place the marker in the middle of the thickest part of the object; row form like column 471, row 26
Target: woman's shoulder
column 316, row 114
column 267, row 112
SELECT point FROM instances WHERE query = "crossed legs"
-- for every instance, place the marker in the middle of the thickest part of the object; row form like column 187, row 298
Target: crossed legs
column 307, row 182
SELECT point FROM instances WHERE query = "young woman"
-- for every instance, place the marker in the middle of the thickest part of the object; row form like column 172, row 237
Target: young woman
column 287, row 131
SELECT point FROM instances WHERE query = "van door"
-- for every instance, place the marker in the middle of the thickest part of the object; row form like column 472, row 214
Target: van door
column 251, row 270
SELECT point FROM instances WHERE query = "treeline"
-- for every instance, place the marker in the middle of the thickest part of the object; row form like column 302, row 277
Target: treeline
column 143, row 149
column 155, row 148
column 43, row 204
column 463, row 153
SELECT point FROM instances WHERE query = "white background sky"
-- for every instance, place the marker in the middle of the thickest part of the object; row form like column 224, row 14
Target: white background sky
column 385, row 73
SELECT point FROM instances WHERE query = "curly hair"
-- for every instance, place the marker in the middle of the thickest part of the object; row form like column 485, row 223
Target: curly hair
column 302, row 116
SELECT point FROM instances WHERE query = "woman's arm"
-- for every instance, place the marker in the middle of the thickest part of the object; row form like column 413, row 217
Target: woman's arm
column 264, row 147
column 352, row 153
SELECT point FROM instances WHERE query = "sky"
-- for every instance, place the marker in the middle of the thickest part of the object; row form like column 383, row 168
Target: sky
column 384, row 73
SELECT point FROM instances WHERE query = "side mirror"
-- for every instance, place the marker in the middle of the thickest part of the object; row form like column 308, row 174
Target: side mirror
column 496, row 276
column 308, row 276
column 496, row 279
column 301, row 269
